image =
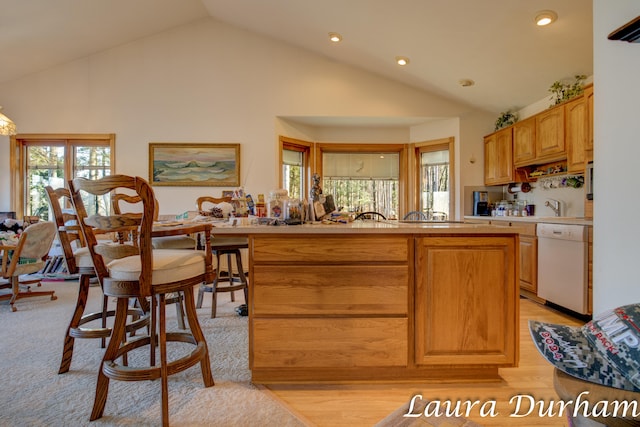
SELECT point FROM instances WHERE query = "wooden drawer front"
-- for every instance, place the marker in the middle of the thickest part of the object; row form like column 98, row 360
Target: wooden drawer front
column 525, row 228
column 339, row 289
column 330, row 249
column 329, row 343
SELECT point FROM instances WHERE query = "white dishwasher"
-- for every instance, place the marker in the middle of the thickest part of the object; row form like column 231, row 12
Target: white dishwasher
column 562, row 265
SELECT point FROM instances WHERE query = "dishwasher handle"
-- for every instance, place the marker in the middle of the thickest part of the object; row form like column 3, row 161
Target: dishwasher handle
column 571, row 232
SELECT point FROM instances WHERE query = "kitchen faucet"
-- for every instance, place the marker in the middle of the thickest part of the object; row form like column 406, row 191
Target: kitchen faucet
column 554, row 205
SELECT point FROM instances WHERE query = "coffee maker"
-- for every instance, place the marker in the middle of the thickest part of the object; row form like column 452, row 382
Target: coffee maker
column 481, row 203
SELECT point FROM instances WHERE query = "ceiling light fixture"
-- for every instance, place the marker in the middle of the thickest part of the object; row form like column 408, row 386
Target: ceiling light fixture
column 7, row 127
column 335, row 37
column 545, row 17
column 402, row 60
column 466, row 82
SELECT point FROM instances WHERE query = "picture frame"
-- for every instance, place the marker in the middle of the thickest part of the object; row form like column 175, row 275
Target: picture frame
column 194, row 164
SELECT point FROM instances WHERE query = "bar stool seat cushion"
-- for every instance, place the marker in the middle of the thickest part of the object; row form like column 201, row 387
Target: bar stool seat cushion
column 83, row 257
column 169, row 265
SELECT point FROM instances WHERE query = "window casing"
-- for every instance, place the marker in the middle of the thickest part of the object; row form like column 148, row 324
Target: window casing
column 39, row 160
column 435, row 190
column 296, row 160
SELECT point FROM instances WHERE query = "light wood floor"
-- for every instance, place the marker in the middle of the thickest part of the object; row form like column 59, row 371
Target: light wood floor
column 365, row 405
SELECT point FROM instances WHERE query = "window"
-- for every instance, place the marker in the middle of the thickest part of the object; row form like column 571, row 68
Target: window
column 43, row 160
column 365, row 177
column 435, row 172
column 295, row 161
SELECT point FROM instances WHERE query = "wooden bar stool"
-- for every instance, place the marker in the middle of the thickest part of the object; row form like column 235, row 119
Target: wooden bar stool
column 79, row 261
column 141, row 271
column 225, row 248
column 228, row 247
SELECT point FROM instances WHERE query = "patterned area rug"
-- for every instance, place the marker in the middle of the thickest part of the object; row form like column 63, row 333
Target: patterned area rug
column 33, row 394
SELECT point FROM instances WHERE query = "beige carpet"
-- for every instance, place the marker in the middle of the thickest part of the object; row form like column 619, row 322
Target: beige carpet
column 33, row 394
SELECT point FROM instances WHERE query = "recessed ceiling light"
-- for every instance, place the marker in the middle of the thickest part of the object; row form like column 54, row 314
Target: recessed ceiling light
column 545, row 17
column 402, row 60
column 466, row 82
column 335, row 37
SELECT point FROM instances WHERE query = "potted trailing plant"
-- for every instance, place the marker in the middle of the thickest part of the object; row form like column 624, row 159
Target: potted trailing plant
column 506, row 119
column 564, row 91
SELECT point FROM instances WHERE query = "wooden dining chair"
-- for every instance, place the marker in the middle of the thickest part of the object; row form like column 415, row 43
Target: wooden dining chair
column 141, row 271
column 226, row 250
column 415, row 216
column 130, row 204
column 371, row 215
column 78, row 260
column 28, row 256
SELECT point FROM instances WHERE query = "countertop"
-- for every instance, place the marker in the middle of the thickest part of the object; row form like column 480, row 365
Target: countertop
column 535, row 219
column 363, row 227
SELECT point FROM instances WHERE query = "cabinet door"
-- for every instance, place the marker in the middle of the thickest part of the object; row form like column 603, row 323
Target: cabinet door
column 466, row 300
column 498, row 158
column 524, row 142
column 588, row 93
column 576, row 116
column 529, row 263
column 550, row 135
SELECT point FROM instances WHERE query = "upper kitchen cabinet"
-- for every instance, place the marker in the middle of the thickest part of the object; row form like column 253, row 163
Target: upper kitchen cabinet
column 524, row 142
column 576, row 133
column 498, row 157
column 588, row 93
column 550, row 142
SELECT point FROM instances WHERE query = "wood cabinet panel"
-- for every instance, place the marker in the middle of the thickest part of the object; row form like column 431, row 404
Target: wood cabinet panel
column 466, row 301
column 588, row 94
column 498, row 157
column 339, row 290
column 329, row 342
column 333, row 249
column 524, row 142
column 550, row 142
column 576, row 133
column 529, row 263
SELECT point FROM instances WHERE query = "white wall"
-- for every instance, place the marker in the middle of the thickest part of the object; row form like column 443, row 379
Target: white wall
column 617, row 152
column 204, row 82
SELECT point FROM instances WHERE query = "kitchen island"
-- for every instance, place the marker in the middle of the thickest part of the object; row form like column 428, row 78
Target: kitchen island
column 381, row 301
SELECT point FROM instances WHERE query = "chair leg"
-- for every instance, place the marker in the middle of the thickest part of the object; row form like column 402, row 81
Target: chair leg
column 196, row 331
column 164, row 374
column 117, row 335
column 200, row 295
column 16, row 294
column 105, row 309
column 67, row 349
column 230, row 273
column 242, row 277
column 180, row 311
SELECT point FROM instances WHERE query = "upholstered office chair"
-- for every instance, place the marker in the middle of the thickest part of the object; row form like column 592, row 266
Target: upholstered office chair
column 78, row 260
column 230, row 247
column 141, row 271
column 27, row 257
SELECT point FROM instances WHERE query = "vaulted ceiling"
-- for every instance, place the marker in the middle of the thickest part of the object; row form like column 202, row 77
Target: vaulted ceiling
column 495, row 43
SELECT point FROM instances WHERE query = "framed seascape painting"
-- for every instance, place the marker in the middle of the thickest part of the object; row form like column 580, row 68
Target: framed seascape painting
column 197, row 165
